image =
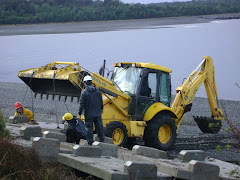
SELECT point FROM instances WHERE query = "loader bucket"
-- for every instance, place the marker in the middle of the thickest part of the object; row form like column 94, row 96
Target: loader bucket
column 49, row 80
column 208, row 125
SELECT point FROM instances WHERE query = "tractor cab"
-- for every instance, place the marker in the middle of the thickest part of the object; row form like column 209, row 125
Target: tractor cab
column 145, row 83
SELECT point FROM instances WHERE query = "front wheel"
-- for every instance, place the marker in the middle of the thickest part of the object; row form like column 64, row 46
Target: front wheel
column 160, row 132
column 118, row 132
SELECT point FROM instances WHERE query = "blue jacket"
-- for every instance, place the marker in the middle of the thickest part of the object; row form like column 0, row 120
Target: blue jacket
column 91, row 102
column 78, row 125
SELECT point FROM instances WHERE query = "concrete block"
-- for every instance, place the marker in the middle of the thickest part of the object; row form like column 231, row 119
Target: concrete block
column 107, row 168
column 67, row 145
column 65, row 125
column 29, row 131
column 83, row 142
column 54, row 135
column 18, row 119
column 173, row 168
column 65, row 151
column 188, row 155
column 46, row 148
column 11, row 120
column 203, row 170
column 87, row 151
column 149, row 152
column 106, row 140
column 162, row 176
column 107, row 149
column 140, row 170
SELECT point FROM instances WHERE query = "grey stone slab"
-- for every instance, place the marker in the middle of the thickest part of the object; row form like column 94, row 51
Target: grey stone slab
column 107, row 168
column 203, row 170
column 11, row 120
column 107, row 149
column 162, row 176
column 87, row 151
column 30, row 131
column 67, row 145
column 83, row 142
column 65, row 125
column 225, row 168
column 18, row 119
column 106, row 140
column 46, row 148
column 173, row 168
column 188, row 155
column 140, row 170
column 179, row 169
column 66, row 151
column 149, row 152
column 54, row 135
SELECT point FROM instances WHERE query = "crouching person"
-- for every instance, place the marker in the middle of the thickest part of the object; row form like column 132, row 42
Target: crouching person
column 76, row 129
column 21, row 110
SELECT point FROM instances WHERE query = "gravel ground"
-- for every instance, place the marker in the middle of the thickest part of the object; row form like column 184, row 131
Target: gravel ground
column 189, row 135
column 44, row 109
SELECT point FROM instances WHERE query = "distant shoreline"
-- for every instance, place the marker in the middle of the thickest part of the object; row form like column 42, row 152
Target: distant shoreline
column 110, row 25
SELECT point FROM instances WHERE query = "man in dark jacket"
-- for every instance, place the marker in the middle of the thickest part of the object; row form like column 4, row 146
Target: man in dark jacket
column 75, row 130
column 92, row 104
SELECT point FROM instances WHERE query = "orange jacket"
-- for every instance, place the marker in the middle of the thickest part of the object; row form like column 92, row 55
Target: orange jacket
column 27, row 112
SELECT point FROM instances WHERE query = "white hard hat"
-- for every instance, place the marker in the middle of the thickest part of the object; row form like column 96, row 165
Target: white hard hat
column 87, row 78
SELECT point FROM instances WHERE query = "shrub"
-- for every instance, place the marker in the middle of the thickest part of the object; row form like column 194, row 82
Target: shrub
column 17, row 162
column 3, row 132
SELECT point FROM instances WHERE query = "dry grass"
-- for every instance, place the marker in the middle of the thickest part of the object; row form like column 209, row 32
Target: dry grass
column 17, row 162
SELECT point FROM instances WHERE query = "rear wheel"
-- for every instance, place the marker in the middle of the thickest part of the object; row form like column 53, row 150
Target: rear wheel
column 160, row 132
column 118, row 132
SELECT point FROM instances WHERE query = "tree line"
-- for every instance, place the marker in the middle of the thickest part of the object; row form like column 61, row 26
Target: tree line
column 47, row 11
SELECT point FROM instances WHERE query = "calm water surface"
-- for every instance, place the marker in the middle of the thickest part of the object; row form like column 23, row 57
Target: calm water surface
column 179, row 47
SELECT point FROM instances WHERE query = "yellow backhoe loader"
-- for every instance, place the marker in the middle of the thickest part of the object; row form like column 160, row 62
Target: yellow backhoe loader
column 136, row 99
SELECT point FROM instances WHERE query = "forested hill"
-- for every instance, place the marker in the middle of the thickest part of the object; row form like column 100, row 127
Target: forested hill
column 46, row 11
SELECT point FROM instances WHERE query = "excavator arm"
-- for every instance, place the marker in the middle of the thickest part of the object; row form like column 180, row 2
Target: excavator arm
column 187, row 91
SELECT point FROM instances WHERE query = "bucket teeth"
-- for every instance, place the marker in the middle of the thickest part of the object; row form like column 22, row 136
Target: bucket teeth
column 59, row 97
column 65, row 98
column 35, row 95
column 72, row 99
column 41, row 96
column 47, row 96
column 53, row 96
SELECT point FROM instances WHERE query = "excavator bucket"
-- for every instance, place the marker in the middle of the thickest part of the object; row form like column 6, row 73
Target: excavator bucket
column 57, row 78
column 208, row 125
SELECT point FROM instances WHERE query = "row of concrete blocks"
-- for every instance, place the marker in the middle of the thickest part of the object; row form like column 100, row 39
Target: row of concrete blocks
column 83, row 157
column 35, row 131
column 48, row 147
column 108, row 148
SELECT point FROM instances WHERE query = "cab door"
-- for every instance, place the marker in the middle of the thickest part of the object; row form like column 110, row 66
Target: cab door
column 154, row 86
column 148, row 92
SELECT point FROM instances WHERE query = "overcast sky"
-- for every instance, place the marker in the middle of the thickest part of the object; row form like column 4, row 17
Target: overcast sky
column 150, row 1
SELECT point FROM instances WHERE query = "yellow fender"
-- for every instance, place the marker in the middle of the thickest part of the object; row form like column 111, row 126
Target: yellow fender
column 156, row 108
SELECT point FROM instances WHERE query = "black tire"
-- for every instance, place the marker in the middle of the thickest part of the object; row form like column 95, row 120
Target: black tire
column 118, row 132
column 152, row 134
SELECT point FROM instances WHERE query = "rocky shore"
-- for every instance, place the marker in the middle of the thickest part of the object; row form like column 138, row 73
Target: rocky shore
column 189, row 135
